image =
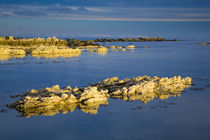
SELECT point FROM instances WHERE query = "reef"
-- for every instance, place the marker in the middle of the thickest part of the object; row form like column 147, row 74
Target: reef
column 140, row 39
column 82, row 44
column 52, row 100
column 54, row 51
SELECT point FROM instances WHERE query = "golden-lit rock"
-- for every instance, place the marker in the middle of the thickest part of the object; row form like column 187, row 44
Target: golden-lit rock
column 53, row 52
column 52, row 100
column 102, row 50
column 123, row 49
column 130, row 46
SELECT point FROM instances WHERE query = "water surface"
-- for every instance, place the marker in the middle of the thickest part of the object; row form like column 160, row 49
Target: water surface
column 184, row 117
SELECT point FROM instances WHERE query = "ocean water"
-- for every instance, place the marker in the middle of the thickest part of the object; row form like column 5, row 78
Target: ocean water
column 184, row 117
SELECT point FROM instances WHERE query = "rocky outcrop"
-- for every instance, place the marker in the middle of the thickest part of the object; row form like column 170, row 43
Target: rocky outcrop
column 140, row 39
column 82, row 44
column 54, row 51
column 31, row 42
column 52, row 100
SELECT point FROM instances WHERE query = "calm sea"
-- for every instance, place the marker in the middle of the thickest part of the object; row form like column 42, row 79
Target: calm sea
column 184, row 117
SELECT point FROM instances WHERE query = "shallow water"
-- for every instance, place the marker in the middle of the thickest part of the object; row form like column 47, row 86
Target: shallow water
column 184, row 117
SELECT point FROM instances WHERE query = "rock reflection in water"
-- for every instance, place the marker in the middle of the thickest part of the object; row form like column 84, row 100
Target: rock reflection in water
column 6, row 53
column 50, row 101
column 7, row 57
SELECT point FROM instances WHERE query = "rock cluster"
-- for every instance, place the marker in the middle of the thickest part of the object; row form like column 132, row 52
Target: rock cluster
column 52, row 100
column 54, row 51
column 31, row 42
column 82, row 44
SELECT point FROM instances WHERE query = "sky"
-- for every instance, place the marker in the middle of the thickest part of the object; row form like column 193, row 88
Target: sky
column 56, row 16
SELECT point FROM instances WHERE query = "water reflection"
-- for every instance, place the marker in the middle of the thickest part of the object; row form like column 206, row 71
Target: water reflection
column 7, row 57
column 56, row 55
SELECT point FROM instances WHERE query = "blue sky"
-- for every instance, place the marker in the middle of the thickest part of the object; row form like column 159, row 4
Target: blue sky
column 16, row 15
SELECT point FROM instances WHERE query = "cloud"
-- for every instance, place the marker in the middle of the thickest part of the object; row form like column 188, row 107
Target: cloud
column 82, row 9
column 58, row 11
column 34, row 13
column 114, row 3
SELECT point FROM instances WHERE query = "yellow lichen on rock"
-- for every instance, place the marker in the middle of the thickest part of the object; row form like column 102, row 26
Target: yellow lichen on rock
column 52, row 100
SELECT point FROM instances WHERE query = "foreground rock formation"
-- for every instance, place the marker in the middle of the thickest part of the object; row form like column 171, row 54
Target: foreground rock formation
column 52, row 100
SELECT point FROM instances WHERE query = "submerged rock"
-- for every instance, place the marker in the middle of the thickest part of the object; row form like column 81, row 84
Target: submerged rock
column 52, row 100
